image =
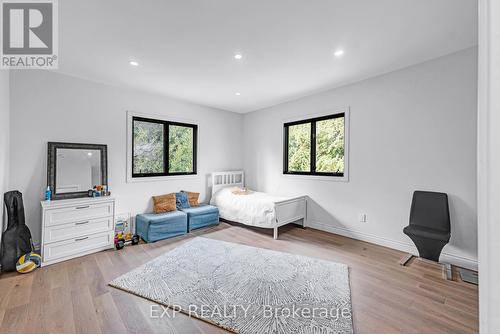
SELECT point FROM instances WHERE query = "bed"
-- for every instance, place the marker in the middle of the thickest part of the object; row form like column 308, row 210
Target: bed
column 252, row 207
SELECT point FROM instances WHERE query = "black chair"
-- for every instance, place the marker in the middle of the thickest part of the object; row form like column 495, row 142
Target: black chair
column 429, row 227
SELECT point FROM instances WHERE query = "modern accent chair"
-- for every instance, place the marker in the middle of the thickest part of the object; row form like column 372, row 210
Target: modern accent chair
column 429, row 227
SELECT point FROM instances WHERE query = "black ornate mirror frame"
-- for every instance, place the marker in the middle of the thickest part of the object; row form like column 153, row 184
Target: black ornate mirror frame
column 52, row 166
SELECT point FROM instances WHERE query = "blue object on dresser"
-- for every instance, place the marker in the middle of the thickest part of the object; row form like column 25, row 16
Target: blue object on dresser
column 152, row 227
column 181, row 201
column 201, row 216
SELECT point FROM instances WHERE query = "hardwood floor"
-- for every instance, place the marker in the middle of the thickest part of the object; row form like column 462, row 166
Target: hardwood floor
column 73, row 296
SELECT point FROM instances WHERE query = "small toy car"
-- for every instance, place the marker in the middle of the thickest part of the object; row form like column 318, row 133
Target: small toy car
column 124, row 239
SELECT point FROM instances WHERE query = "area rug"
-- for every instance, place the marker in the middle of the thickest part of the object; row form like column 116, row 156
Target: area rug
column 246, row 289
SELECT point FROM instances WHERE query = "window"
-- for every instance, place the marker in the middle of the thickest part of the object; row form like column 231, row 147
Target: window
column 163, row 148
column 315, row 146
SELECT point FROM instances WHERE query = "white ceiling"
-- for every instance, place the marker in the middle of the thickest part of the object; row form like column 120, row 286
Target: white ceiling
column 186, row 47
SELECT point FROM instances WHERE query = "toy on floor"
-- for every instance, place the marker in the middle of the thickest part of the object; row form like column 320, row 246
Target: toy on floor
column 123, row 235
column 124, row 239
column 28, row 262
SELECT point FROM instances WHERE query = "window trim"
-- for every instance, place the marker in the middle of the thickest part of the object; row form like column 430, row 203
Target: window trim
column 166, row 121
column 341, row 112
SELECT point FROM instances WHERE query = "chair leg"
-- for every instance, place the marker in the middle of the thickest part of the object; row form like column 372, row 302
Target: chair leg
column 406, row 259
column 275, row 233
column 445, row 267
column 447, row 274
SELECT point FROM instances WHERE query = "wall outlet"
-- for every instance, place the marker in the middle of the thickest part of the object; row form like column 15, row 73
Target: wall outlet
column 362, row 217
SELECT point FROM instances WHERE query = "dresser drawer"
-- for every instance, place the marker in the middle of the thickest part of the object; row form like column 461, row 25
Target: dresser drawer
column 76, row 246
column 80, row 212
column 76, row 229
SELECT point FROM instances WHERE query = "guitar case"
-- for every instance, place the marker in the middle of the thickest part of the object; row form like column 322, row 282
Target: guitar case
column 16, row 240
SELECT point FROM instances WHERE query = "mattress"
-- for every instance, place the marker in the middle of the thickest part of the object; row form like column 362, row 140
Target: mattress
column 254, row 208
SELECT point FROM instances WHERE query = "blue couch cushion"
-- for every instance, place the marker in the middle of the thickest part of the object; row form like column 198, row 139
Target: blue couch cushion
column 153, row 227
column 181, row 200
column 153, row 218
column 200, row 210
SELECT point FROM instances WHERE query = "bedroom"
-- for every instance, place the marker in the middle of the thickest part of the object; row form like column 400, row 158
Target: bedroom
column 306, row 127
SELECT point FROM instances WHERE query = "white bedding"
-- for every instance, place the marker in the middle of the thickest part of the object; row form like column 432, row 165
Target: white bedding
column 255, row 208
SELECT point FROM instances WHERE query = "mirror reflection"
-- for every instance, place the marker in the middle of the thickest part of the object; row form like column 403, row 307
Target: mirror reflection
column 77, row 170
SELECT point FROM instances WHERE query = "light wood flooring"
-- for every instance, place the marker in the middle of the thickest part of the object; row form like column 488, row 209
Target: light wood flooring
column 73, row 296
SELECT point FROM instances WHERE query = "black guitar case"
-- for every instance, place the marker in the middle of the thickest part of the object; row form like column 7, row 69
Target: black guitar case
column 16, row 240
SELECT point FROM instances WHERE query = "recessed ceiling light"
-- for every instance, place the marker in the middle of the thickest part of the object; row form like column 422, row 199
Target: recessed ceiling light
column 237, row 93
column 133, row 63
column 89, row 154
column 338, row 53
column 238, row 56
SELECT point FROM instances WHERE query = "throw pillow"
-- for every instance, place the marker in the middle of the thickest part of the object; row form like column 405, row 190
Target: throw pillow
column 182, row 201
column 192, row 198
column 164, row 203
column 241, row 191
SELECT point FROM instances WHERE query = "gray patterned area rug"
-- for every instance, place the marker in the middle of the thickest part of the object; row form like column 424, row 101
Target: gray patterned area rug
column 246, row 289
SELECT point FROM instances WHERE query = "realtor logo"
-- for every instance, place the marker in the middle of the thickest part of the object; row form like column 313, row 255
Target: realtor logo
column 29, row 34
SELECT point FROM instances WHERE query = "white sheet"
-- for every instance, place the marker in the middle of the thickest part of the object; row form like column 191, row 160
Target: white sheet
column 256, row 208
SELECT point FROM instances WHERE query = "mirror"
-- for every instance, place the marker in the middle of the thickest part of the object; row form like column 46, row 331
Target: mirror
column 77, row 170
column 73, row 169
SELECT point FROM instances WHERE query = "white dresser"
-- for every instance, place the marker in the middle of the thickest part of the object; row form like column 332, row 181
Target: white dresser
column 75, row 227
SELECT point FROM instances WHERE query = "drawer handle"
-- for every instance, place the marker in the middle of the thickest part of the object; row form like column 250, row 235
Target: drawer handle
column 83, row 207
column 80, row 239
column 82, row 223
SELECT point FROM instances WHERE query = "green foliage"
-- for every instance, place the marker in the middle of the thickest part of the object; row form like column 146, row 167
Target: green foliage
column 299, row 147
column 148, row 147
column 149, row 150
column 180, row 149
column 329, row 146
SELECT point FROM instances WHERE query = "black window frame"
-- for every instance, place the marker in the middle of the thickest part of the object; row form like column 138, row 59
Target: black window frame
column 312, row 162
column 166, row 151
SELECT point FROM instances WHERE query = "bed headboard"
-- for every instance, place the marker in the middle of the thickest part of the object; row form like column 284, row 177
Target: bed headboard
column 227, row 179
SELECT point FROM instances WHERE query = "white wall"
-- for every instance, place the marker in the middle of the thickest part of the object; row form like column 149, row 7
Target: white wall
column 47, row 106
column 489, row 165
column 410, row 129
column 4, row 137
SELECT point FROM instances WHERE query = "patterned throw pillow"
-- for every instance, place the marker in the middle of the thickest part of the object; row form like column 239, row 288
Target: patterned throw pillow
column 164, row 203
column 241, row 191
column 182, row 201
column 192, row 198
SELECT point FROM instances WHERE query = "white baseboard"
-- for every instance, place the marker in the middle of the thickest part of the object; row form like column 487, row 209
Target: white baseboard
column 381, row 241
